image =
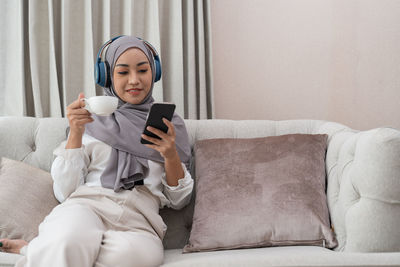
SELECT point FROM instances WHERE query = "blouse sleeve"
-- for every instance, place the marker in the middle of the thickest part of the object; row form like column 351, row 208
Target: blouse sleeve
column 68, row 170
column 178, row 196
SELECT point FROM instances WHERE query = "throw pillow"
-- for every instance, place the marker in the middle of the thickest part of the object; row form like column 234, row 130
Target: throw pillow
column 26, row 197
column 260, row 192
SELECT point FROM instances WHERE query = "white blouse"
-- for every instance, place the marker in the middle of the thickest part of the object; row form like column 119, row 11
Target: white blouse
column 74, row 167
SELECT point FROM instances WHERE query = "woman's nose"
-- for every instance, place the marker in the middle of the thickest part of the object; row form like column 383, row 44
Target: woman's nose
column 133, row 78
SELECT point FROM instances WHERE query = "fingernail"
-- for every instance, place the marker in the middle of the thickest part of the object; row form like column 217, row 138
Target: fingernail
column 1, row 244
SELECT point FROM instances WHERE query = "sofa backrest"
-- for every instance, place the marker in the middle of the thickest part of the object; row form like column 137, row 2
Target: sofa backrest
column 358, row 164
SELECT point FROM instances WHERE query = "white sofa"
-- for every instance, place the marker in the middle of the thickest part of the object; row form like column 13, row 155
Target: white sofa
column 363, row 191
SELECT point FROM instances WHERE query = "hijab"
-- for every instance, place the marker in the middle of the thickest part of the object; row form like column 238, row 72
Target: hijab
column 128, row 162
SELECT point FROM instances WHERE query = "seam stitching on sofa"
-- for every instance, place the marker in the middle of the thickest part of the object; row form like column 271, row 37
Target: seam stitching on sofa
column 394, row 202
column 344, row 167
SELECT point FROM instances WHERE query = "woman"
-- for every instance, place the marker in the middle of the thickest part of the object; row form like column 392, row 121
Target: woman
column 111, row 186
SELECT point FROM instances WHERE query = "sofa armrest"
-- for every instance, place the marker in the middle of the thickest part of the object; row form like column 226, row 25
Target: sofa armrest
column 364, row 189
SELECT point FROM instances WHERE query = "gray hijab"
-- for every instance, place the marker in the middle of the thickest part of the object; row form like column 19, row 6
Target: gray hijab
column 128, row 162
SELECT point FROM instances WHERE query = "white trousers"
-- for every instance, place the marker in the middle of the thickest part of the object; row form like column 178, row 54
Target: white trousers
column 98, row 227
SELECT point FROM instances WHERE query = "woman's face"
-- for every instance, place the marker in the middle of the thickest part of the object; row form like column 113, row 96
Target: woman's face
column 132, row 76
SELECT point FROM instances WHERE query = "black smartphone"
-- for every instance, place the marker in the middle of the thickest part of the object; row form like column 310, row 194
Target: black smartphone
column 154, row 119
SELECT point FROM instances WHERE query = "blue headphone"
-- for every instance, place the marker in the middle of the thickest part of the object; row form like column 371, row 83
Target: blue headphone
column 102, row 75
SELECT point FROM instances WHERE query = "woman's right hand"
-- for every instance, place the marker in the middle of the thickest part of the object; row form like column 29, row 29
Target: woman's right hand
column 77, row 118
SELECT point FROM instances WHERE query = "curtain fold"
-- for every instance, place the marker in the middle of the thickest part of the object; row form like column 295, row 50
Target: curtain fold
column 198, row 86
column 48, row 49
column 12, row 71
column 42, row 62
column 171, row 51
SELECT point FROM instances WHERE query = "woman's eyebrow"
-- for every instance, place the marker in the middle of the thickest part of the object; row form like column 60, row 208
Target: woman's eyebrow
column 126, row 65
column 141, row 63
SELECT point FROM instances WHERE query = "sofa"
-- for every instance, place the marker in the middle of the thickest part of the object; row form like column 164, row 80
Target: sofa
column 363, row 191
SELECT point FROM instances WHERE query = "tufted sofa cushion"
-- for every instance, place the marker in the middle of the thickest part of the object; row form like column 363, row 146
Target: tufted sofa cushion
column 363, row 172
column 364, row 189
column 31, row 140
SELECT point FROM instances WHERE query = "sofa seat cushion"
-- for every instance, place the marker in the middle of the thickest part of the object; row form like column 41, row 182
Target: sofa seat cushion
column 289, row 256
column 8, row 259
column 270, row 256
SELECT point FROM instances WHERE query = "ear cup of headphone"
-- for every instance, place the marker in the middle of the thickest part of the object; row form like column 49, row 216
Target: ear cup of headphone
column 157, row 65
column 102, row 73
column 99, row 73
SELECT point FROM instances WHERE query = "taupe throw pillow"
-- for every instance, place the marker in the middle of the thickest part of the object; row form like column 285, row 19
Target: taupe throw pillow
column 26, row 197
column 260, row 192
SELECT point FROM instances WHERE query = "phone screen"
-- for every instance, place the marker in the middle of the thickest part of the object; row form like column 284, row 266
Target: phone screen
column 154, row 119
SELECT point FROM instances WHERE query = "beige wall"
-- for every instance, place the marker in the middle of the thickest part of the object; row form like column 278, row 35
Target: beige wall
column 336, row 60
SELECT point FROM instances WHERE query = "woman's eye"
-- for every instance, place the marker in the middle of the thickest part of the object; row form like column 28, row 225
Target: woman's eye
column 122, row 72
column 143, row 71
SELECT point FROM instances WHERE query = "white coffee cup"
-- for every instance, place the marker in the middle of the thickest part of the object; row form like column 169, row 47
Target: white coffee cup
column 101, row 105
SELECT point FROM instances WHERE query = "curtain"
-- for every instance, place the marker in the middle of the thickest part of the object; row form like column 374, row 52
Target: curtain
column 48, row 49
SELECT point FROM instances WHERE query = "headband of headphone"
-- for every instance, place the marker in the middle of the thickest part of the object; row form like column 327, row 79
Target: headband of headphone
column 102, row 72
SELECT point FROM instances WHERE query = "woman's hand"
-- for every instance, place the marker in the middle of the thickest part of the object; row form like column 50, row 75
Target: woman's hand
column 166, row 147
column 77, row 118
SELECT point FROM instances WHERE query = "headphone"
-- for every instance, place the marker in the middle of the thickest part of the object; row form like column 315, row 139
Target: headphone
column 102, row 75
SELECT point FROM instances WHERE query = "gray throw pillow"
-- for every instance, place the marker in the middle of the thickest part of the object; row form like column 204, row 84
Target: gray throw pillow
column 26, row 197
column 260, row 192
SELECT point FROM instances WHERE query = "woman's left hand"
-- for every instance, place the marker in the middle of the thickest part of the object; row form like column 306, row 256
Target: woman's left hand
column 165, row 145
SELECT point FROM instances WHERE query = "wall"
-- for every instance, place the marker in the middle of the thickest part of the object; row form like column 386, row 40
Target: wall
column 336, row 60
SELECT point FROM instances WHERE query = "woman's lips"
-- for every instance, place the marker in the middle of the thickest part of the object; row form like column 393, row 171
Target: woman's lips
column 134, row 91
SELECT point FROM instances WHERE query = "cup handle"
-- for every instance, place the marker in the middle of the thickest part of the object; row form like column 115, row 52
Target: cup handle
column 87, row 106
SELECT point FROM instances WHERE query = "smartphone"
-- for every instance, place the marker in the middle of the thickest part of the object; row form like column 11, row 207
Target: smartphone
column 154, row 119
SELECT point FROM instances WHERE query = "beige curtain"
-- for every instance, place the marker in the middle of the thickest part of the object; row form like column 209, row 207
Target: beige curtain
column 48, row 48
